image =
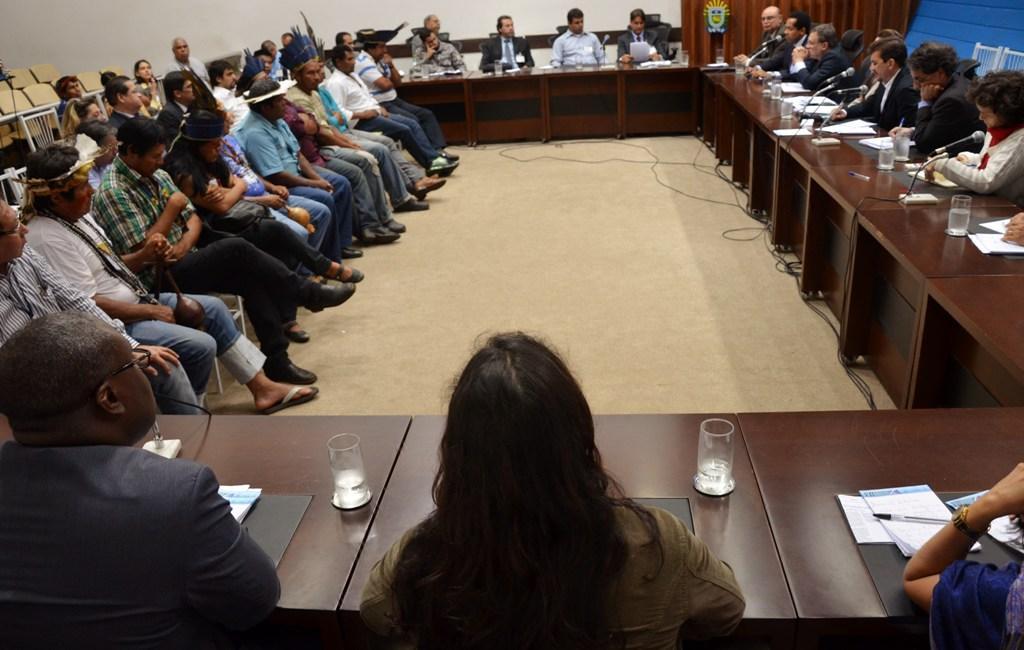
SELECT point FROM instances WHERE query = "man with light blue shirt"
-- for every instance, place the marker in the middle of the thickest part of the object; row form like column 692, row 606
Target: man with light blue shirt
column 575, row 46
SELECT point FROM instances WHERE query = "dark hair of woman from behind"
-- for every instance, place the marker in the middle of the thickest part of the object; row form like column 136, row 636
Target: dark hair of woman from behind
column 523, row 547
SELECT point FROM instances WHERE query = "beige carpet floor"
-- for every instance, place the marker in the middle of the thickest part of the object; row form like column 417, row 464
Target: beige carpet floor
column 655, row 311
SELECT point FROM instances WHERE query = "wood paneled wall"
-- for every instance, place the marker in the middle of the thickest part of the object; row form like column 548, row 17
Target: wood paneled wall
column 744, row 30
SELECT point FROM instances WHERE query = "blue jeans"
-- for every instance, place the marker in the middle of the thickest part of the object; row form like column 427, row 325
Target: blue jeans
column 423, row 116
column 391, row 171
column 367, row 190
column 294, row 226
column 337, row 234
column 405, row 130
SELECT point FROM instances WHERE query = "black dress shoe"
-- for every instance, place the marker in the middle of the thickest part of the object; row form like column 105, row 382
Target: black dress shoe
column 323, row 296
column 349, row 253
column 376, row 236
column 412, row 205
column 296, row 336
column 286, row 372
column 395, row 226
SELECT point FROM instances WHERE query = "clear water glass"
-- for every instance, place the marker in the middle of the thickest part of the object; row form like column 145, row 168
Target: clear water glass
column 741, row 69
column 901, row 148
column 714, row 458
column 787, row 109
column 959, row 215
column 684, row 58
column 886, row 156
column 350, row 488
column 776, row 90
column 719, row 55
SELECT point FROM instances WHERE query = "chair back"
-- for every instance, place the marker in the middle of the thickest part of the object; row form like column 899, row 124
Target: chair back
column 988, row 57
column 42, row 94
column 40, row 129
column 90, row 81
column 967, row 68
column 11, row 103
column 116, row 69
column 45, row 73
column 852, row 43
column 1012, row 60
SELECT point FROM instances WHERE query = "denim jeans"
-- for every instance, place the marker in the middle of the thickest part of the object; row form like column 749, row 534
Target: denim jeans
column 405, row 130
column 338, row 234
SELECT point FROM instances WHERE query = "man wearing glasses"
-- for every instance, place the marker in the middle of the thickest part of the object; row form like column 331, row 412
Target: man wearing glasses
column 772, row 24
column 29, row 289
column 104, row 544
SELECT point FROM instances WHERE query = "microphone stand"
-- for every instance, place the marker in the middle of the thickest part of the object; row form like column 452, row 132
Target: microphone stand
column 822, row 142
column 160, row 447
column 921, row 199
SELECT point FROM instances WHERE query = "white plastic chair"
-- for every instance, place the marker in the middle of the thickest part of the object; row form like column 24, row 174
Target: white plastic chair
column 238, row 313
column 988, row 57
column 1012, row 60
column 38, row 129
column 10, row 188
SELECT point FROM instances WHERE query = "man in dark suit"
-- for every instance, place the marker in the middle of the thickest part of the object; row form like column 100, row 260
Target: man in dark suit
column 944, row 114
column 798, row 25
column 124, row 99
column 105, row 545
column 773, row 26
column 821, row 60
column 638, row 33
column 894, row 102
column 180, row 96
column 506, row 49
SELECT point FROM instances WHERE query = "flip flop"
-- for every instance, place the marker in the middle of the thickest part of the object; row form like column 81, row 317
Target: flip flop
column 292, row 399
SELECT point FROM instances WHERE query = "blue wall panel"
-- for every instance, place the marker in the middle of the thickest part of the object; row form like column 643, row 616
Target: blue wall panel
column 962, row 24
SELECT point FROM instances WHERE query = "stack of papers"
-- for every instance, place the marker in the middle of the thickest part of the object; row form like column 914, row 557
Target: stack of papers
column 241, row 498
column 717, row 65
column 790, row 87
column 851, row 127
column 1003, row 529
column 800, row 102
column 655, row 64
column 878, row 143
column 994, row 245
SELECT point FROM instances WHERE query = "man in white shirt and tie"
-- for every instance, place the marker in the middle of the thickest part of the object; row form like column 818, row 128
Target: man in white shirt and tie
column 575, row 46
column 505, row 50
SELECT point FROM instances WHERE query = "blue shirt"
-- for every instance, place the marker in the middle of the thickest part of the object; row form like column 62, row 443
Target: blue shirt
column 577, row 49
column 270, row 146
column 331, row 107
column 969, row 605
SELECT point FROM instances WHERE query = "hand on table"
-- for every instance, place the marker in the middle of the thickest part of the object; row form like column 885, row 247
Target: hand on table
column 1015, row 230
column 838, row 114
column 900, row 131
column 626, row 58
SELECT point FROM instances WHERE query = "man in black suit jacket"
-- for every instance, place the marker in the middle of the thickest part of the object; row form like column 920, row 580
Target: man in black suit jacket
column 125, row 101
column 821, row 60
column 638, row 33
column 180, row 96
column 798, row 25
column 894, row 102
column 105, row 545
column 773, row 26
column 505, row 49
column 944, row 113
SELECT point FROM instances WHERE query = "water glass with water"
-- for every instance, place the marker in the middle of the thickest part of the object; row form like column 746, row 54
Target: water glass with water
column 886, row 155
column 901, row 147
column 714, row 458
column 959, row 215
column 684, row 58
column 776, row 89
column 719, row 55
column 350, row 488
column 787, row 109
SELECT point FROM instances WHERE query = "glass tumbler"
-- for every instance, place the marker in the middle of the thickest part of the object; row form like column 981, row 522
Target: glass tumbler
column 714, row 458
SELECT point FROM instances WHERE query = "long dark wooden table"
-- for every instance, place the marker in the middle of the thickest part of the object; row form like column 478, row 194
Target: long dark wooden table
column 651, row 456
column 802, row 460
column 537, row 104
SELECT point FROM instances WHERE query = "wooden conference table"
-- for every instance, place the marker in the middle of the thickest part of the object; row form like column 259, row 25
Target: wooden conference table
column 538, row 104
column 867, row 256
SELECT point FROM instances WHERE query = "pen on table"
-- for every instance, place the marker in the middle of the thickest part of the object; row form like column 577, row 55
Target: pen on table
column 923, row 520
column 860, row 177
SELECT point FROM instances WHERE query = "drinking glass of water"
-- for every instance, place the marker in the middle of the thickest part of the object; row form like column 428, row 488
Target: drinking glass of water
column 776, row 90
column 959, row 215
column 886, row 156
column 787, row 109
column 719, row 55
column 684, row 58
column 714, row 458
column 350, row 489
column 901, row 147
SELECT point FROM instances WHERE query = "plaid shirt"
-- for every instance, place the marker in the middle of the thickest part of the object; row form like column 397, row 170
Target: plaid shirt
column 126, row 205
column 30, row 289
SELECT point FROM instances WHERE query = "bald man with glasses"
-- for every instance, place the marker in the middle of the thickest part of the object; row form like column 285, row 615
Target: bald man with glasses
column 772, row 26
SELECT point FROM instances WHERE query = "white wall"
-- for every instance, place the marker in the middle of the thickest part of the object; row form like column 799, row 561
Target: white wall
column 93, row 35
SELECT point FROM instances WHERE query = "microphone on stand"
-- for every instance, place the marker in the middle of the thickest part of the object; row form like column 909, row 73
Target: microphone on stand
column 171, row 448
column 820, row 141
column 918, row 199
column 765, row 46
column 849, row 72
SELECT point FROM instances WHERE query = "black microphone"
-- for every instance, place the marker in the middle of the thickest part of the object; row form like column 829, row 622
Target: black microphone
column 765, row 46
column 976, row 137
column 849, row 72
column 851, row 91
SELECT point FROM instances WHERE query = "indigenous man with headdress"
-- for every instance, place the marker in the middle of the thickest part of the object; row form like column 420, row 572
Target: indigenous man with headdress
column 30, row 289
column 78, row 248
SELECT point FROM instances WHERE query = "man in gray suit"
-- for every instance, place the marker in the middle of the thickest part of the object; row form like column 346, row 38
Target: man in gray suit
column 104, row 545
column 773, row 26
column 638, row 33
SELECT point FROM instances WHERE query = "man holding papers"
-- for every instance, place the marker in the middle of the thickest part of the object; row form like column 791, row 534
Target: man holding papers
column 971, row 605
column 104, row 545
column 894, row 103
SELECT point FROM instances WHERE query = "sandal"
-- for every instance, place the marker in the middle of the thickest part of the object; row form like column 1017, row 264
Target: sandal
column 292, row 398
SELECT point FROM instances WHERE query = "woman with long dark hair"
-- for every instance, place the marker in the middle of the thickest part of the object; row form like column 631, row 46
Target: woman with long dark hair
column 532, row 545
column 146, row 82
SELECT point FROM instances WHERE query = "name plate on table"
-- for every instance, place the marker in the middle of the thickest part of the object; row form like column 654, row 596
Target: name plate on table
column 273, row 520
column 678, row 506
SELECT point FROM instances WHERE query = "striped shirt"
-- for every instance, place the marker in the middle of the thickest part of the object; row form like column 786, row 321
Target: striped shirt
column 29, row 289
column 127, row 204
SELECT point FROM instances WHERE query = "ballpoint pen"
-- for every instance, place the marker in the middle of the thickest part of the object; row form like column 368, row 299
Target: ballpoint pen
column 917, row 520
column 860, row 177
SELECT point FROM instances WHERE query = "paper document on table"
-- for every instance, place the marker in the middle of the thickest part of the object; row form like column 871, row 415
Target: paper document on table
column 910, row 501
column 790, row 87
column 865, row 528
column 998, row 226
column 717, row 65
column 852, row 127
column 994, row 245
column 1007, row 531
column 241, row 498
column 800, row 102
column 787, row 133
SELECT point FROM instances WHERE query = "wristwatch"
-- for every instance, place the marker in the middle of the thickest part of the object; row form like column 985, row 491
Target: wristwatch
column 960, row 522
